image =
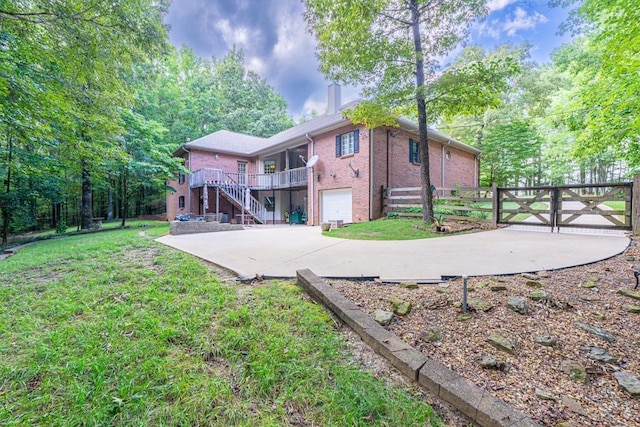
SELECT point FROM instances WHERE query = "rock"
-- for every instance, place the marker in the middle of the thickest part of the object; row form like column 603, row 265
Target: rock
column 546, row 340
column 490, row 362
column 480, row 305
column 630, row 294
column 400, row 307
column 598, row 316
column 530, row 276
column 517, row 304
column 501, row 343
column 601, row 355
column 442, row 291
column 589, row 284
column 463, row 317
column 575, row 370
column 409, row 285
column 383, row 317
column 573, row 405
column 630, row 258
column 482, row 285
column 544, row 274
column 534, row 284
column 539, row 295
column 599, row 332
column 628, row 382
column 431, row 334
column 377, row 280
column 545, row 395
column 498, row 288
column 633, row 308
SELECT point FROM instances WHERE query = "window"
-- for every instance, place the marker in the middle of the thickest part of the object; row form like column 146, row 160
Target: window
column 270, row 203
column 347, row 143
column 181, row 202
column 448, row 155
column 269, row 166
column 181, row 178
column 414, row 151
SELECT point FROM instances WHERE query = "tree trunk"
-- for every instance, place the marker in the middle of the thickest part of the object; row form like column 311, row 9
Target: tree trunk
column 109, row 204
column 85, row 206
column 427, row 195
column 6, row 209
column 125, row 197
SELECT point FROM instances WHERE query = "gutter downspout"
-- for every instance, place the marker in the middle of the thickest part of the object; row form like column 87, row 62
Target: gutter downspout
column 189, row 184
column 370, row 174
column 313, row 198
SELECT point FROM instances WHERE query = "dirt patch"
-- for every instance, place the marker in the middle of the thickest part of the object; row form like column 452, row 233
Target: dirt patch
column 536, row 379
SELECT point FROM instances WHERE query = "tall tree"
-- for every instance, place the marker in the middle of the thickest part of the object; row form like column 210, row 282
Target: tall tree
column 393, row 49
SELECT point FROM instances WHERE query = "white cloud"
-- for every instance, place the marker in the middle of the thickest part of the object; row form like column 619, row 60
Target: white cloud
column 522, row 20
column 494, row 5
column 489, row 29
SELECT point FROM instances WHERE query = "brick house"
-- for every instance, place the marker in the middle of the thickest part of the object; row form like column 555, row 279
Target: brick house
column 268, row 180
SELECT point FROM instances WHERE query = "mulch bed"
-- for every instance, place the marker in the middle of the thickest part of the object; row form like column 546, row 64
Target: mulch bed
column 536, row 379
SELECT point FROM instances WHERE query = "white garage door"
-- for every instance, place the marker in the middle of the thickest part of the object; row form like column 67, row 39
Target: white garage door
column 336, row 204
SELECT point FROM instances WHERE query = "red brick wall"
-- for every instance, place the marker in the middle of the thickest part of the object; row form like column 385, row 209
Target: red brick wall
column 226, row 162
column 335, row 172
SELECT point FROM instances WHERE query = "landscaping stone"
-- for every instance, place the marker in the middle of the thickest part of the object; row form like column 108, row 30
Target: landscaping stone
column 463, row 317
column 632, row 308
column 601, row 355
column 546, row 340
column 598, row 316
column 539, row 295
column 498, row 288
column 630, row 383
column 431, row 334
column 400, row 307
column 630, row 294
column 409, row 285
column 482, row 285
column 517, row 304
column 383, row 317
column 573, row 405
column 599, row 332
column 501, row 343
column 575, row 370
column 589, row 284
column 534, row 284
column 545, row 395
column 530, row 276
column 480, row 305
column 442, row 291
column 490, row 362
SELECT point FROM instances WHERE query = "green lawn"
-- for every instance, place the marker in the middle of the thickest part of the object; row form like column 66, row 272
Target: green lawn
column 385, row 229
column 116, row 329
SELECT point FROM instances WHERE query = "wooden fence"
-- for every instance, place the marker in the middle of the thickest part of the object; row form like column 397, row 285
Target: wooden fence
column 604, row 206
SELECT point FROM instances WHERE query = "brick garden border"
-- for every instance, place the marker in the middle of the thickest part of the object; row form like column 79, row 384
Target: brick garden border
column 475, row 403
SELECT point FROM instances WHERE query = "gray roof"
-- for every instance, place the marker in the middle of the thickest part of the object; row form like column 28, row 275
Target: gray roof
column 225, row 141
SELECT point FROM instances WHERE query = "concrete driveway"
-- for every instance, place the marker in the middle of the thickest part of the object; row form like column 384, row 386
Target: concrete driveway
column 280, row 251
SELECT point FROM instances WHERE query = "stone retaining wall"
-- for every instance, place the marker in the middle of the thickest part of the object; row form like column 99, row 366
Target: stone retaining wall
column 475, row 403
column 192, row 227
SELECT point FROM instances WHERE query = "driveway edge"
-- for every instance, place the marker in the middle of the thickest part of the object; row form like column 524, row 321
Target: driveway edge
column 475, row 403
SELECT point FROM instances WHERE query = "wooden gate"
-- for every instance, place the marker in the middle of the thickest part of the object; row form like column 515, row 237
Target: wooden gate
column 604, row 206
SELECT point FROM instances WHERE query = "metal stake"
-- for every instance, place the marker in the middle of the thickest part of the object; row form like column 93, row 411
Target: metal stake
column 464, row 293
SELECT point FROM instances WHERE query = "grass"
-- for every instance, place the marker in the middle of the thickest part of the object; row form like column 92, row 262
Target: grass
column 116, row 329
column 616, row 205
column 385, row 229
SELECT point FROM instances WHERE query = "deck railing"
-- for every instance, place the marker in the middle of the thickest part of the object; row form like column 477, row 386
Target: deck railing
column 256, row 181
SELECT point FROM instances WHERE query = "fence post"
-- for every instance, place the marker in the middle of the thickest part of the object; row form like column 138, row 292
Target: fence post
column 494, row 205
column 635, row 206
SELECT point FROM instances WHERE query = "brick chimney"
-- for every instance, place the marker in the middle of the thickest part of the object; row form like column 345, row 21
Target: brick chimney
column 334, row 101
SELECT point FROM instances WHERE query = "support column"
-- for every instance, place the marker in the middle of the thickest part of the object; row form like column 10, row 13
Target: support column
column 635, row 206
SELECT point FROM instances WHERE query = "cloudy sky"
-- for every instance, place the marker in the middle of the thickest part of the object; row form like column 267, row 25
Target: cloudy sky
column 273, row 36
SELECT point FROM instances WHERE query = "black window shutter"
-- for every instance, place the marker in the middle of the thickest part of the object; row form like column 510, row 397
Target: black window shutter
column 356, row 140
column 338, row 150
